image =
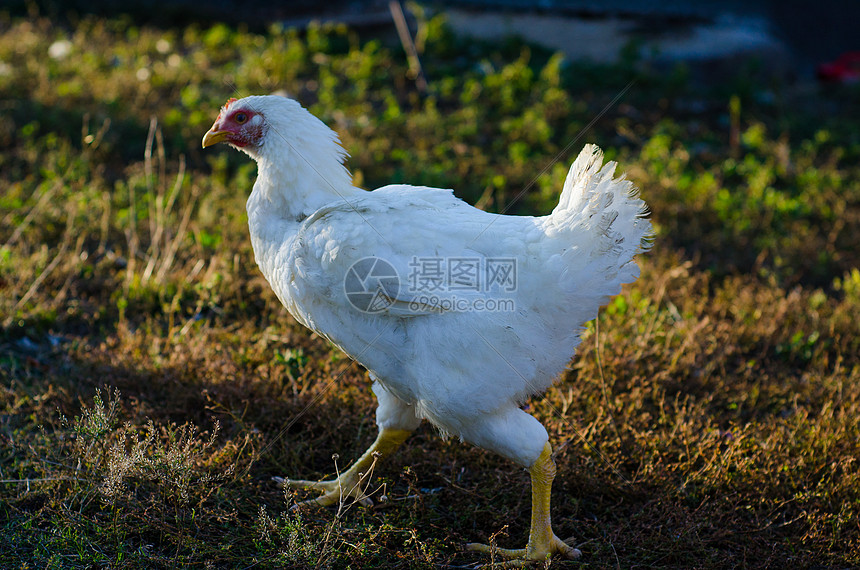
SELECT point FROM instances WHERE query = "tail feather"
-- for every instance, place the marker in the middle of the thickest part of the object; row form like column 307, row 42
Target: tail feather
column 602, row 222
column 580, row 177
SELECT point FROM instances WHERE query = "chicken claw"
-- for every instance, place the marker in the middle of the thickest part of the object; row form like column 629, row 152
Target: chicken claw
column 353, row 481
column 334, row 491
column 543, row 542
column 519, row 557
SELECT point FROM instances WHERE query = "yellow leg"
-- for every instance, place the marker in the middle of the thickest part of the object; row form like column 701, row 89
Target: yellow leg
column 353, row 481
column 543, row 543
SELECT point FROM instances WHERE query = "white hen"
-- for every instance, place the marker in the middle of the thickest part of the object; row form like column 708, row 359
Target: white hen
column 459, row 315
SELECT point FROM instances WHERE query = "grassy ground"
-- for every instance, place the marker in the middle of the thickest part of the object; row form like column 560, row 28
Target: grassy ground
column 152, row 385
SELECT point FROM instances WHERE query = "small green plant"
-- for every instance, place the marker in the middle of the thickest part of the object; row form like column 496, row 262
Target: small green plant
column 116, row 456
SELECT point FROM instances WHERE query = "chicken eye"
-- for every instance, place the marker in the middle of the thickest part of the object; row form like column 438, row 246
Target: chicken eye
column 240, row 118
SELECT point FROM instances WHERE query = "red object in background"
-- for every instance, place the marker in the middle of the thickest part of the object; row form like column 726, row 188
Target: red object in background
column 845, row 69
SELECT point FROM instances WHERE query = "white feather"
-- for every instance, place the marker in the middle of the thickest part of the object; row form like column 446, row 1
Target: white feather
column 465, row 371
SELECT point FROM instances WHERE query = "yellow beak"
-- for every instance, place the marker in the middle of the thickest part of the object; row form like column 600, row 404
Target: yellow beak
column 214, row 136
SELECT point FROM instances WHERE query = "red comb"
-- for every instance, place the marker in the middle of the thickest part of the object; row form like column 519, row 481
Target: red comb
column 226, row 106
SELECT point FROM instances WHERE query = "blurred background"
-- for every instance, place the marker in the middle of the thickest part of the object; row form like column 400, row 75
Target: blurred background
column 805, row 33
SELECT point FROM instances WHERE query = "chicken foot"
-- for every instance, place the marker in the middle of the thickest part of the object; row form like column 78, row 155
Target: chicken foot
column 543, row 542
column 353, row 481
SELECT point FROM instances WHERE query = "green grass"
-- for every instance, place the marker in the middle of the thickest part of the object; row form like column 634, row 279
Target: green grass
column 152, row 385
